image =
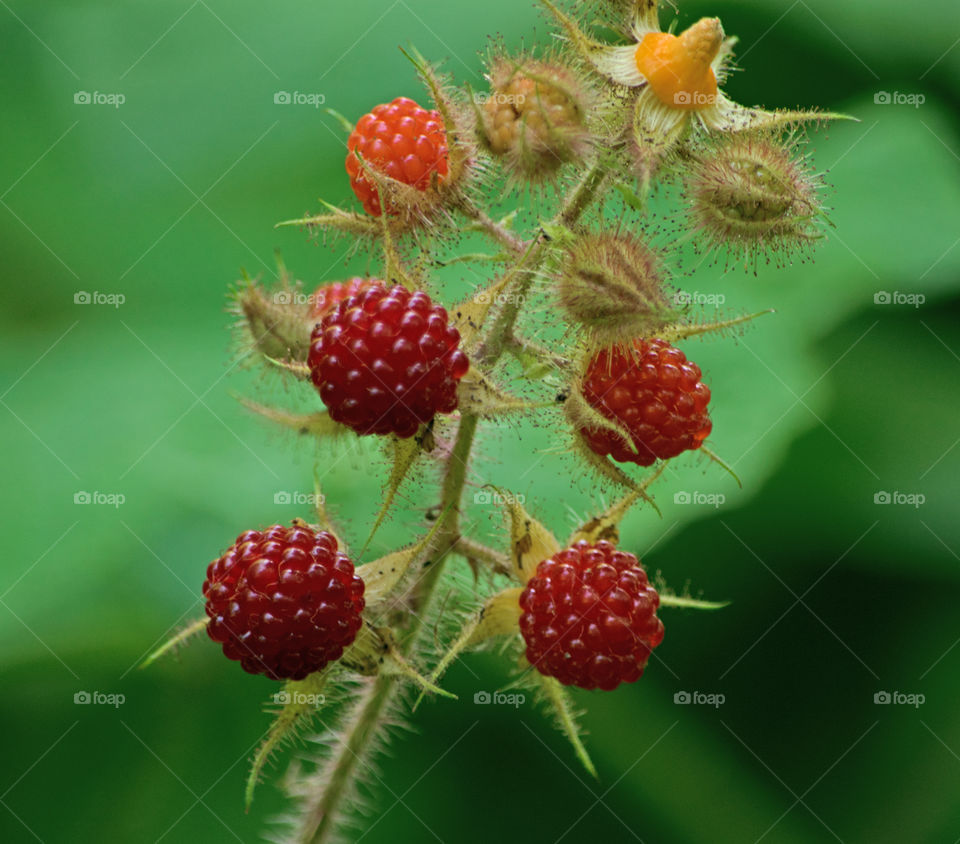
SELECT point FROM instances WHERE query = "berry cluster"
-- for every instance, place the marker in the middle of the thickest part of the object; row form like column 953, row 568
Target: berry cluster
column 589, row 617
column 386, row 361
column 652, row 391
column 283, row 601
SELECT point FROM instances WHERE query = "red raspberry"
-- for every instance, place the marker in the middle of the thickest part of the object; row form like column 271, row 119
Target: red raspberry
column 654, row 392
column 327, row 296
column 589, row 617
column 402, row 141
column 386, row 360
column 283, row 601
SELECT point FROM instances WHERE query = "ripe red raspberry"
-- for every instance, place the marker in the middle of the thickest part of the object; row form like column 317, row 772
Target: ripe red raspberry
column 328, row 296
column 402, row 141
column 654, row 392
column 386, row 360
column 283, row 601
column 589, row 617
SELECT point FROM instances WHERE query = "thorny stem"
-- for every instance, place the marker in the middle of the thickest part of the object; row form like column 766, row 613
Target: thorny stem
column 573, row 207
column 474, row 550
column 496, row 230
column 320, row 821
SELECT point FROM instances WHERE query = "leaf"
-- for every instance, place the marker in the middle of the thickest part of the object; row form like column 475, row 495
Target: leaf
column 481, row 397
column 561, row 707
column 299, row 699
column 469, row 317
column 668, row 600
column 177, row 640
column 313, row 424
column 530, row 542
column 382, row 576
column 606, row 525
column 500, row 616
column 349, row 222
column 405, row 452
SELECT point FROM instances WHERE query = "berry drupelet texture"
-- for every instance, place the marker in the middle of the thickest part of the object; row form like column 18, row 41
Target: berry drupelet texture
column 386, row 360
column 652, row 391
column 401, row 140
column 283, row 601
column 589, row 617
column 327, row 296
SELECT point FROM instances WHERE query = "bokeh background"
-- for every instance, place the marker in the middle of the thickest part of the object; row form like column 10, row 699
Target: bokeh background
column 850, row 393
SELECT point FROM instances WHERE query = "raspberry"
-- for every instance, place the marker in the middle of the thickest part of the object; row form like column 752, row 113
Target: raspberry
column 589, row 617
column 328, row 296
column 654, row 392
column 283, row 601
column 402, row 141
column 386, row 361
column 534, row 117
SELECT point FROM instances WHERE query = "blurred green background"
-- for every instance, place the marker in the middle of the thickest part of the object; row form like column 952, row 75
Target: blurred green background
column 843, row 395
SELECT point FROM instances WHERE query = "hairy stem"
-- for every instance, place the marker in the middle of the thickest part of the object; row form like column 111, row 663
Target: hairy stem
column 321, row 814
column 474, row 550
column 321, row 809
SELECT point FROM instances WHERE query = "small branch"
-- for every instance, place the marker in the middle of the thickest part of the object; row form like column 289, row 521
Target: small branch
column 474, row 550
column 496, row 230
column 583, row 195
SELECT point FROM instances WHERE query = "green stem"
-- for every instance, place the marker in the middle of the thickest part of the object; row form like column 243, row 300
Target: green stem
column 474, row 550
column 321, row 811
column 319, row 821
column 583, row 195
